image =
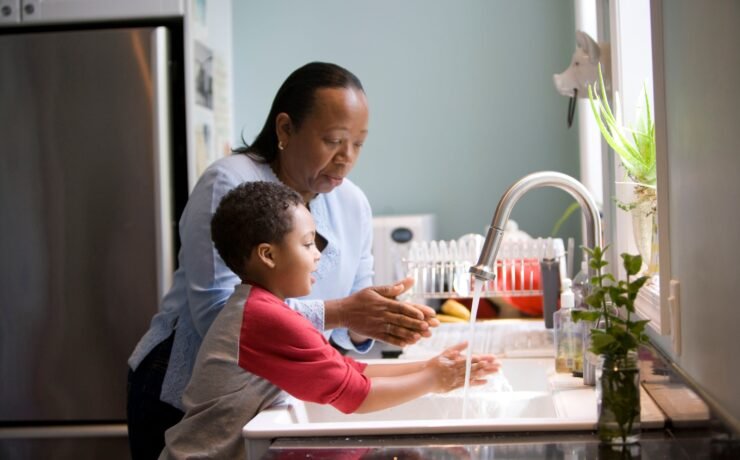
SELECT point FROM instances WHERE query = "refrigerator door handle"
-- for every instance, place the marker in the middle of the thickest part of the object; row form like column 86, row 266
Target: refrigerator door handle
column 162, row 158
column 66, row 431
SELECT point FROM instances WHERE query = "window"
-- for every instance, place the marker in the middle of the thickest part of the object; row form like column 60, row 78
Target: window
column 635, row 37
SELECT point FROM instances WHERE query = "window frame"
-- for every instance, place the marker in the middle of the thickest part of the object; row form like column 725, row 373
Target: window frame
column 657, row 301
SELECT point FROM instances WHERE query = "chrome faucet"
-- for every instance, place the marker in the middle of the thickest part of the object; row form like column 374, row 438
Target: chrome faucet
column 485, row 269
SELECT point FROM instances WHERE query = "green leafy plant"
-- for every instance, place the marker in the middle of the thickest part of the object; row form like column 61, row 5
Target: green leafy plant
column 635, row 145
column 615, row 337
column 612, row 304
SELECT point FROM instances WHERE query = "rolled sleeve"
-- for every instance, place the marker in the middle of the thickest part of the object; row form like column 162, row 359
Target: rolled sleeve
column 312, row 310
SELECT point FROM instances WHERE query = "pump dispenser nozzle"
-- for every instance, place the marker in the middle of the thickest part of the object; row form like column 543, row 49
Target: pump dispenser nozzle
column 567, row 299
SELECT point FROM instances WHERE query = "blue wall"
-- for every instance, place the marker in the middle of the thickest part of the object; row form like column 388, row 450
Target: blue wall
column 461, row 97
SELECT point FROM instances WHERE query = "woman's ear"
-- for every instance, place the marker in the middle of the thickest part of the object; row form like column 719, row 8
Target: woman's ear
column 266, row 254
column 283, row 128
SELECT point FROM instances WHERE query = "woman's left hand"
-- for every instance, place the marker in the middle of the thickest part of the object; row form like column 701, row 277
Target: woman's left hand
column 374, row 312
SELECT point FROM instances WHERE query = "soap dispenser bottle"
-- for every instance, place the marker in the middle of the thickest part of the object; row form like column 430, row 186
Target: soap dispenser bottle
column 568, row 336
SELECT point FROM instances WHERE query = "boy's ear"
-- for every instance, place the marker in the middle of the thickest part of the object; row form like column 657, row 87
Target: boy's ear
column 266, row 254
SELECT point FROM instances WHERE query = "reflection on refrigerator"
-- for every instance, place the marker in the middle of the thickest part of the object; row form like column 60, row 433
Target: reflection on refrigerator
column 92, row 144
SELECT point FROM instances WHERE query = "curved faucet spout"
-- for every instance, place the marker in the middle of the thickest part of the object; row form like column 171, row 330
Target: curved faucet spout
column 485, row 268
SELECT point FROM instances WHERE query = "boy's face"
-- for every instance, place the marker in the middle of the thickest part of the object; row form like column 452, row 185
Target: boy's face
column 296, row 256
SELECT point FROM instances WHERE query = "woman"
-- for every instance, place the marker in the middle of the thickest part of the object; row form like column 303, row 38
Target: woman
column 310, row 142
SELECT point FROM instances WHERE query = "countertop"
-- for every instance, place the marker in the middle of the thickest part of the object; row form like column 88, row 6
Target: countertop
column 666, row 444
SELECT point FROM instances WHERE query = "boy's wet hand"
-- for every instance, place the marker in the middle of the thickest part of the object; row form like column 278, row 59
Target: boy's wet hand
column 449, row 368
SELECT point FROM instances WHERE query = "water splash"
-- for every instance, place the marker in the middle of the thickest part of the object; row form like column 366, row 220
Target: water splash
column 477, row 290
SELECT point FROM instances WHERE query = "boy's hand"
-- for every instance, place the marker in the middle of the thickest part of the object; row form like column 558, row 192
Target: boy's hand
column 448, row 368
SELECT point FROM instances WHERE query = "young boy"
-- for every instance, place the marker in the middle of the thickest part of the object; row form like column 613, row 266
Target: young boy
column 258, row 347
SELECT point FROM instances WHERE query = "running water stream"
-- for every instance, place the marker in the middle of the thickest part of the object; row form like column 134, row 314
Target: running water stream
column 477, row 290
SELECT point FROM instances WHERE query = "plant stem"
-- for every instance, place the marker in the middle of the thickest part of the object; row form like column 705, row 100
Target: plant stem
column 603, row 302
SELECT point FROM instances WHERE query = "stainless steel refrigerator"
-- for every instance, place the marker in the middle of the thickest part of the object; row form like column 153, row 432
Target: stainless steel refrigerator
column 92, row 180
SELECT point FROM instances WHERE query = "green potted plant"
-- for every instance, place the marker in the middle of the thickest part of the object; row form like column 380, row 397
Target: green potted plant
column 635, row 147
column 614, row 339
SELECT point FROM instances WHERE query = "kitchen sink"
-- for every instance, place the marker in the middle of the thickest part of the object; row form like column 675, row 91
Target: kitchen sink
column 497, row 399
column 526, row 395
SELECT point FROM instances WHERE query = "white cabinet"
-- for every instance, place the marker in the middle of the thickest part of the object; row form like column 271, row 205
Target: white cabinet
column 32, row 12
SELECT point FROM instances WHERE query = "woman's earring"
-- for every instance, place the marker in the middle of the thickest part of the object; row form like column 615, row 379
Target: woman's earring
column 280, row 145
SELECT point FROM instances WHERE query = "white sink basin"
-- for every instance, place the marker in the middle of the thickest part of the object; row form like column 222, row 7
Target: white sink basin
column 528, row 404
column 537, row 400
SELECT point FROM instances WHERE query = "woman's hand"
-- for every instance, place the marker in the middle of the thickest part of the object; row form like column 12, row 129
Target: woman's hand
column 374, row 312
column 448, row 368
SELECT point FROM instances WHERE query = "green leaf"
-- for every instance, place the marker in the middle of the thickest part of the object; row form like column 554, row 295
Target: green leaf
column 600, row 339
column 592, row 316
column 629, row 305
column 637, row 284
column 638, row 326
column 618, row 322
column 616, row 294
column 596, row 299
column 628, row 341
column 632, row 264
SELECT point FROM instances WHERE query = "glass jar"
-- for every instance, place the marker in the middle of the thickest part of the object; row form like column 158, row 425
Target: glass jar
column 618, row 398
column 645, row 227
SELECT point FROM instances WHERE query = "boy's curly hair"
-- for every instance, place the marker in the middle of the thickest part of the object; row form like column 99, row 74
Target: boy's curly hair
column 251, row 214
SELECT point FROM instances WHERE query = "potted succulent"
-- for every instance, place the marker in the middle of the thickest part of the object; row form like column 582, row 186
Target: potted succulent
column 635, row 146
column 614, row 339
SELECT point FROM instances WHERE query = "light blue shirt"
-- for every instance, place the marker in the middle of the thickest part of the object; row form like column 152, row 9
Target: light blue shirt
column 202, row 283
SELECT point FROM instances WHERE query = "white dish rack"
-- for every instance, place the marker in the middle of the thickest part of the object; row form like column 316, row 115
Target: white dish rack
column 441, row 268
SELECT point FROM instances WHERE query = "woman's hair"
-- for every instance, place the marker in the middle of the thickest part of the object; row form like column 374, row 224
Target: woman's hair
column 251, row 214
column 296, row 98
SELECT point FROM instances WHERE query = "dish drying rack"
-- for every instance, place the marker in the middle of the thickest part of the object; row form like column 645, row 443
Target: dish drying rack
column 441, row 268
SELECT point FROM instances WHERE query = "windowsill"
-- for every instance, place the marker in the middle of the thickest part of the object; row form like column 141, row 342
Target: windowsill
column 647, row 304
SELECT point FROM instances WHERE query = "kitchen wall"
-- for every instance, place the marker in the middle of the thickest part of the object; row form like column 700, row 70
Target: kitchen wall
column 461, row 97
column 702, row 65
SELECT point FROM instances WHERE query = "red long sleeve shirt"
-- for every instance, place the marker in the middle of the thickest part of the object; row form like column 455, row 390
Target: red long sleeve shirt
column 283, row 347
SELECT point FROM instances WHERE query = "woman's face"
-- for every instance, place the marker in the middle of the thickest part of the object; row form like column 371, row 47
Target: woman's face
column 318, row 155
column 296, row 257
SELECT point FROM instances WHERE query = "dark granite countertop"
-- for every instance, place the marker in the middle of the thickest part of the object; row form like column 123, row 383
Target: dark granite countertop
column 694, row 444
